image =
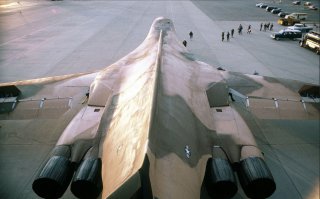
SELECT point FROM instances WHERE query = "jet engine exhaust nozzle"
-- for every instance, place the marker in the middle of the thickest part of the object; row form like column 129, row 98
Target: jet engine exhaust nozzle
column 255, row 178
column 220, row 180
column 87, row 182
column 54, row 178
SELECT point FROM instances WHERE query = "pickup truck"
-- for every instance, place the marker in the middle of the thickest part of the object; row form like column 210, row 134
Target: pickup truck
column 302, row 27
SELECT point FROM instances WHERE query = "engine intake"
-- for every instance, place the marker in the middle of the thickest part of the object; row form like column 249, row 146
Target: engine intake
column 87, row 182
column 54, row 178
column 255, row 178
column 219, row 179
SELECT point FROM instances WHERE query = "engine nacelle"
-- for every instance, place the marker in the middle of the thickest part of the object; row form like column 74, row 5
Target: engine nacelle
column 219, row 179
column 87, row 182
column 54, row 178
column 255, row 178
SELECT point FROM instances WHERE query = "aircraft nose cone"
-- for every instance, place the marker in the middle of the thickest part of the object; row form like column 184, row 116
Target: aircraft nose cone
column 162, row 23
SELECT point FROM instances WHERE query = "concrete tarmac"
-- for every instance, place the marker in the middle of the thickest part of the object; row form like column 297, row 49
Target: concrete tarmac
column 54, row 38
column 50, row 38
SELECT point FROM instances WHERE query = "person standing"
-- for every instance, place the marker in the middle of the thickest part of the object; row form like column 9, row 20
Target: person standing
column 261, row 26
column 191, row 35
column 232, row 32
column 222, row 36
column 228, row 36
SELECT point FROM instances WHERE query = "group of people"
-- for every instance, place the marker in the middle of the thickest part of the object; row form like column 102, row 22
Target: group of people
column 240, row 28
column 185, row 42
column 266, row 26
column 228, row 35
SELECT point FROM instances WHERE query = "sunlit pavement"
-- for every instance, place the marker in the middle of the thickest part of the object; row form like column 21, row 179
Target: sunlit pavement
column 50, row 38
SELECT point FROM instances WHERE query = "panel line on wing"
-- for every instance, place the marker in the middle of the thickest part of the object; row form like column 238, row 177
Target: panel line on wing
column 281, row 108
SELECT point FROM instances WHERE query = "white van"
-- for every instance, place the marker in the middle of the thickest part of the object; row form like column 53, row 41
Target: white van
column 300, row 16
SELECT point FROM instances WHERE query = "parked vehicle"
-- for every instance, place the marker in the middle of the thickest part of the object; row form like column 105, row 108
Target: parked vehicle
column 296, row 2
column 259, row 4
column 286, row 33
column 302, row 27
column 308, row 3
column 283, row 14
column 288, row 21
column 311, row 40
column 312, row 7
column 269, row 8
column 264, row 5
column 276, row 11
column 300, row 16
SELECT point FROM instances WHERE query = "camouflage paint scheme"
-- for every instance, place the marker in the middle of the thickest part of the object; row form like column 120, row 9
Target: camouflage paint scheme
column 154, row 116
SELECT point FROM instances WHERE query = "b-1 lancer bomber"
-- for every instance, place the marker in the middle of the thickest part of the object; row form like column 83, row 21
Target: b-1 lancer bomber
column 156, row 124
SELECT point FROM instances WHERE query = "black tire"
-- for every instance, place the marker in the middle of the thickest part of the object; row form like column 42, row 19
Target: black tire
column 276, row 38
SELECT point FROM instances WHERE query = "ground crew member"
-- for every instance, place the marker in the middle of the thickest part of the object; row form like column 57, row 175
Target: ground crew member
column 184, row 43
column 191, row 35
column 271, row 27
column 240, row 29
column 249, row 29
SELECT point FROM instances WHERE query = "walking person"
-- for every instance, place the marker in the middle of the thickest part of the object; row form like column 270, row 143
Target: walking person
column 261, row 26
column 191, row 35
column 184, row 43
column 240, row 29
column 228, row 36
column 249, row 29
column 271, row 27
column 222, row 36
column 232, row 32
column 265, row 27
column 268, row 24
